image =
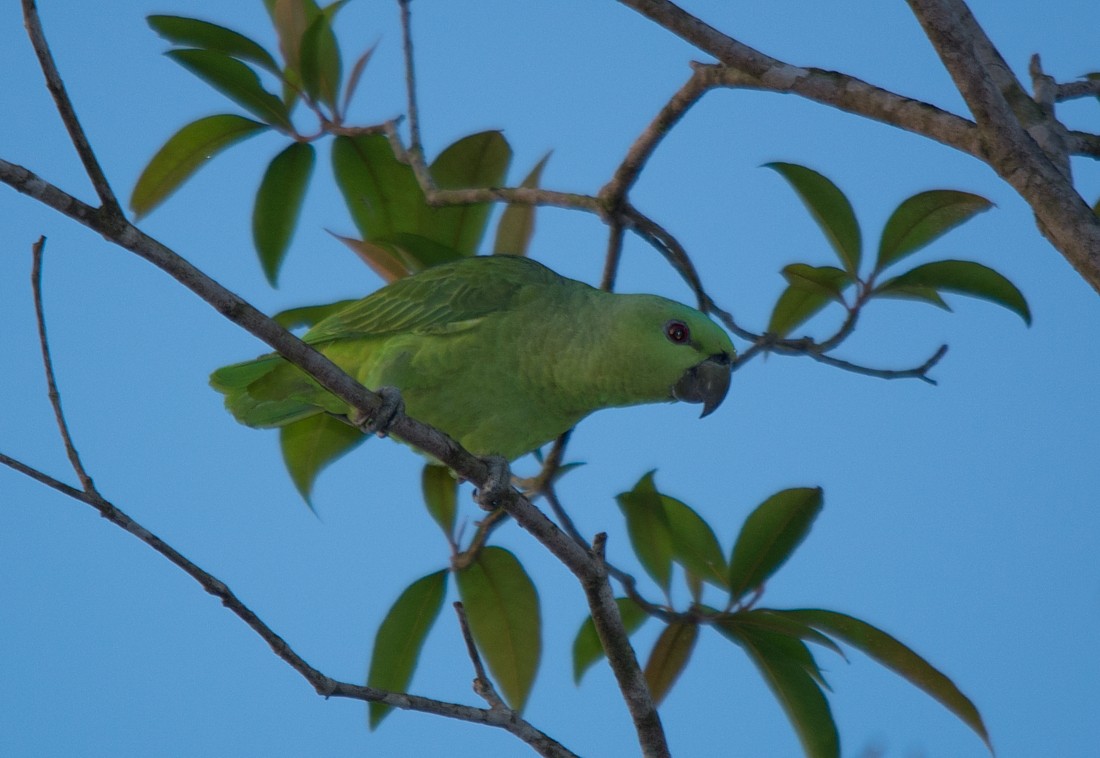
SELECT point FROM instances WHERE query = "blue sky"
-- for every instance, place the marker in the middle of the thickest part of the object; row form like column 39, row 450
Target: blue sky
column 962, row 518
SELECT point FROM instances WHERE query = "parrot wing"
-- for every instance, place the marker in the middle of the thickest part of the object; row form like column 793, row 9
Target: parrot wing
column 442, row 299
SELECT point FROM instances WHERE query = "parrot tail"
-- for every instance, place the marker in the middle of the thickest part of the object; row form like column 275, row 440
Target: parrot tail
column 269, row 392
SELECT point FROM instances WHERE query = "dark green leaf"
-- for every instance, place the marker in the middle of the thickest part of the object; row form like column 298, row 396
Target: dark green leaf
column 320, row 57
column 517, row 223
column 184, row 153
column 502, row 607
column 309, row 315
column 782, row 623
column 311, row 444
column 769, row 536
column 440, row 495
column 190, row 32
column 587, row 648
column 827, row 280
column 291, row 19
column 381, row 193
column 794, row 307
column 829, row 208
column 923, row 218
column 913, row 292
column 278, row 204
column 694, row 545
column 649, row 530
column 236, row 81
column 669, row 656
column 479, row 160
column 899, row 659
column 787, row 666
column 401, row 637
column 966, row 278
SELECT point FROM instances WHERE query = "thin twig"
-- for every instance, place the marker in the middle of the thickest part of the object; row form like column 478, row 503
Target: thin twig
column 47, row 362
column 64, row 106
column 416, row 147
column 613, row 256
column 483, row 685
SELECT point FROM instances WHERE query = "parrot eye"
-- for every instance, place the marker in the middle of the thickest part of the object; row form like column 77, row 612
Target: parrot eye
column 678, row 332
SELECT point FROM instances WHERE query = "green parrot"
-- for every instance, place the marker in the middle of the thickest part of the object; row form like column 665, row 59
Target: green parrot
column 499, row 352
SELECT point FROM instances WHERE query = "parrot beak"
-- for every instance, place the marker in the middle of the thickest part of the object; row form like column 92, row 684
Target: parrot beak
column 705, row 383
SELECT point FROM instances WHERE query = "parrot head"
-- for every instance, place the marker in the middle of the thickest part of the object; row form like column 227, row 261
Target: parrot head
column 687, row 356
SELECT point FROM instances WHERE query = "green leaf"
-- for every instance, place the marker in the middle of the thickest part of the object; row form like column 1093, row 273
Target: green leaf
column 417, row 252
column 787, row 666
column 236, row 81
column 913, row 292
column 923, row 218
column 517, row 223
column 184, row 153
column 502, row 607
column 313, row 443
column 190, row 32
column 829, row 208
column 587, row 648
column 694, row 545
column 320, row 57
column 381, row 193
column 291, row 19
column 669, row 656
column 899, row 659
column 966, row 278
column 309, row 315
column 440, row 495
column 479, row 160
column 278, row 204
column 781, row 622
column 401, row 637
column 649, row 530
column 769, row 536
column 804, row 296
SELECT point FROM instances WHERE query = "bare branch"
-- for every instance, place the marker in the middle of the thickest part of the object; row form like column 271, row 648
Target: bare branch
column 483, row 685
column 47, row 362
column 65, row 108
column 1001, row 113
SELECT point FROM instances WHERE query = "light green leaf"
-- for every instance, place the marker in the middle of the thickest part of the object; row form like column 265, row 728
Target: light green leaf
column 190, row 32
column 669, row 656
column 923, row 218
column 236, row 81
column 278, row 204
column 913, row 292
column 966, row 278
column 184, row 153
column 587, row 648
column 309, row 315
column 829, row 208
column 479, row 160
column 440, row 495
column 899, row 659
column 320, row 57
column 517, row 223
column 401, row 637
column 313, row 443
column 769, row 536
column 787, row 666
column 502, row 607
column 828, row 280
column 649, row 530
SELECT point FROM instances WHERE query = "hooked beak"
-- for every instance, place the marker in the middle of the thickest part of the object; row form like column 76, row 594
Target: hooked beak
column 705, row 383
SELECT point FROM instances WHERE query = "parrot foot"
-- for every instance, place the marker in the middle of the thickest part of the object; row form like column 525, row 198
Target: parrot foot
column 392, row 406
column 496, row 485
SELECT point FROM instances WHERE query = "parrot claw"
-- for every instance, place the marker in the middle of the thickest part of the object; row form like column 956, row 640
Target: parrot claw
column 392, row 406
column 497, row 485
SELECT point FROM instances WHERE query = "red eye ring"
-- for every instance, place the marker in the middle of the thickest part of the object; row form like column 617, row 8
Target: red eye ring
column 677, row 332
